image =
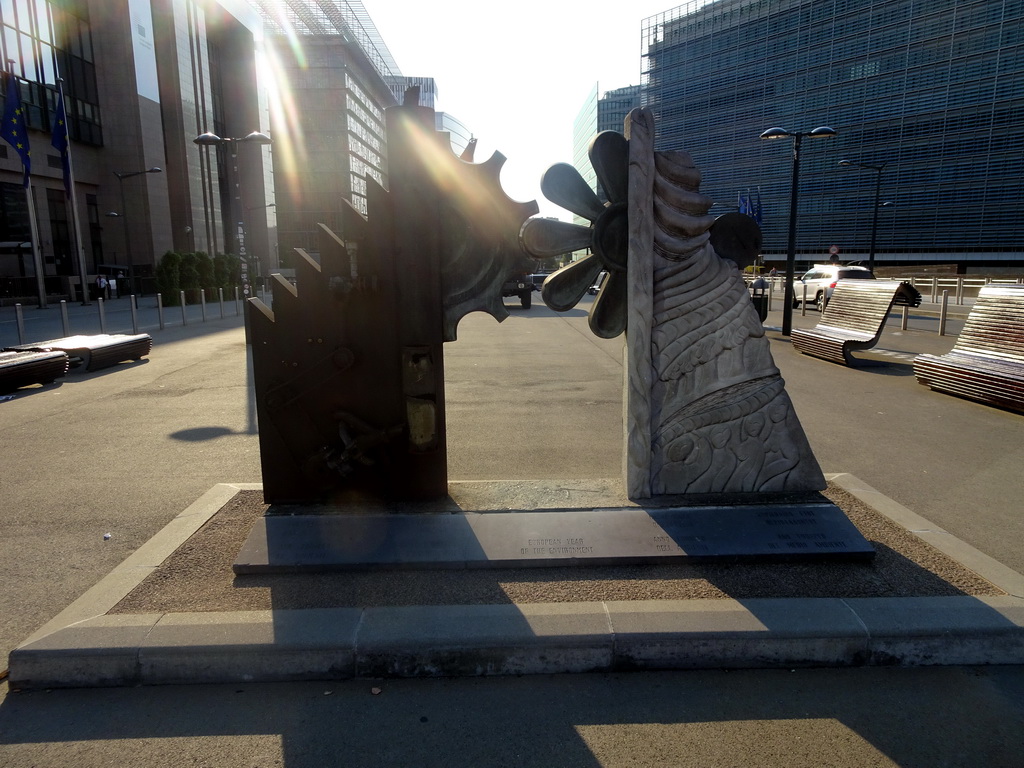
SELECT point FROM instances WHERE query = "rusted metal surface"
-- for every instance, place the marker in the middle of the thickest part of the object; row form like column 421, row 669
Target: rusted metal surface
column 349, row 366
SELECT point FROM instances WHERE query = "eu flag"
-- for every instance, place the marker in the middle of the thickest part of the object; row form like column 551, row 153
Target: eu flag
column 743, row 203
column 60, row 140
column 13, row 128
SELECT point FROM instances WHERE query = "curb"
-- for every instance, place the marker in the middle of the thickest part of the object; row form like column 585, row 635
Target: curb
column 83, row 646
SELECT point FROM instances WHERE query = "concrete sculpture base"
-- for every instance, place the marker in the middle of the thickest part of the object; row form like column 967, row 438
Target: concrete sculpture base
column 547, row 526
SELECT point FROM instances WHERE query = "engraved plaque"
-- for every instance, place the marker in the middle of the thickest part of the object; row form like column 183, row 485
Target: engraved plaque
column 764, row 533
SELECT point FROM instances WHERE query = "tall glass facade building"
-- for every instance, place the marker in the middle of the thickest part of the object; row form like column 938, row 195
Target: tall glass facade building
column 335, row 77
column 932, row 91
column 605, row 113
column 141, row 79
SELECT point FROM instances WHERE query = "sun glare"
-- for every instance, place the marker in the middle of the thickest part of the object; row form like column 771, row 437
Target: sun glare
column 286, row 130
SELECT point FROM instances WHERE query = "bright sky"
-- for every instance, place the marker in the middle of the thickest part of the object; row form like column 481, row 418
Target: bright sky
column 516, row 74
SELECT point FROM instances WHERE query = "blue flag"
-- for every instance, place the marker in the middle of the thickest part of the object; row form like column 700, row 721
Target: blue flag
column 60, row 140
column 13, row 128
column 756, row 207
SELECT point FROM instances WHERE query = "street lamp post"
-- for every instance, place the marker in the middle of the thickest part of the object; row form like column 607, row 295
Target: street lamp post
column 878, row 204
column 260, row 272
column 121, row 176
column 822, row 132
column 211, row 139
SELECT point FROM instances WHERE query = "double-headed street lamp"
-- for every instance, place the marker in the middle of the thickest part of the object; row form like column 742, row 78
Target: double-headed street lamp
column 211, row 139
column 878, row 204
column 822, row 132
column 121, row 176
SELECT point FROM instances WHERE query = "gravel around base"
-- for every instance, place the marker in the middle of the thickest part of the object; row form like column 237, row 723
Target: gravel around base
column 198, row 576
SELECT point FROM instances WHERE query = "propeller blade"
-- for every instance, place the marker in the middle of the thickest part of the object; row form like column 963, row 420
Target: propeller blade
column 562, row 290
column 608, row 315
column 547, row 237
column 563, row 186
column 609, row 155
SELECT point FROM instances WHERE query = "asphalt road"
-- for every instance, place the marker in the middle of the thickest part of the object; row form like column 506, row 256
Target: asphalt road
column 123, row 451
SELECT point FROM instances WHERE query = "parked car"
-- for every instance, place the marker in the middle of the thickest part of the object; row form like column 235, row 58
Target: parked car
column 521, row 286
column 821, row 280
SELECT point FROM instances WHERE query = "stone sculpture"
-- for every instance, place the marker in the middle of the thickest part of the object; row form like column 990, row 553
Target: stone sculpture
column 706, row 407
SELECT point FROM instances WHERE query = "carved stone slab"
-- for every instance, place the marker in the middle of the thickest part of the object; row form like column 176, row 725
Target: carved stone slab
column 706, row 408
column 761, row 532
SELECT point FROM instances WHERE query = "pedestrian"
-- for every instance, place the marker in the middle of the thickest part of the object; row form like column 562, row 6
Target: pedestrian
column 102, row 287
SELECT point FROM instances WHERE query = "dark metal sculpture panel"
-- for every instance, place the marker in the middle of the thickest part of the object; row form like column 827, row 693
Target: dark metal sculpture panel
column 348, row 366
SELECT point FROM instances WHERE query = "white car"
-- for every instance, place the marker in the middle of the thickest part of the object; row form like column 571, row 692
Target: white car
column 821, row 280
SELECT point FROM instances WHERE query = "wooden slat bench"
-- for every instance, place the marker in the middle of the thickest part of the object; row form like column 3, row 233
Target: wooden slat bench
column 853, row 318
column 95, row 352
column 21, row 369
column 987, row 360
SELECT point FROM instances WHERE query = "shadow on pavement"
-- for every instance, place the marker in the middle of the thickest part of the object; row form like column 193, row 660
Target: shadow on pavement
column 855, row 717
column 201, row 434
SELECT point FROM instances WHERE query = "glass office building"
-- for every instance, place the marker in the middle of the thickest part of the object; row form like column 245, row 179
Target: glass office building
column 929, row 91
column 141, row 79
column 605, row 113
column 335, row 77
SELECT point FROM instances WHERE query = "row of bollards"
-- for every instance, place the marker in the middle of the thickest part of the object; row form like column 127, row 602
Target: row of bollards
column 134, row 309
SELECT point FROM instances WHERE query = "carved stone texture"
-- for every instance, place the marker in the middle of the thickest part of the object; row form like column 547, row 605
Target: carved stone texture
column 719, row 418
column 348, row 367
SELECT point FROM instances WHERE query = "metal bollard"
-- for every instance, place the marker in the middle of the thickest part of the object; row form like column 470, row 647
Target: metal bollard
column 220, row 298
column 103, row 314
column 20, row 318
column 134, row 306
column 202, row 302
column 184, row 313
column 942, row 313
column 803, row 304
column 935, row 289
column 160, row 310
column 905, row 318
column 959, row 291
column 236, row 301
column 65, row 323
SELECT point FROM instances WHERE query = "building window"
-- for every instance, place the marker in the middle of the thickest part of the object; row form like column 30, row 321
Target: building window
column 46, row 41
column 60, row 232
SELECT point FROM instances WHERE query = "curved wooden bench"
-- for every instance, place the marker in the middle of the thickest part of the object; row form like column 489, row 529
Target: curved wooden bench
column 987, row 361
column 853, row 318
column 20, row 369
column 95, row 352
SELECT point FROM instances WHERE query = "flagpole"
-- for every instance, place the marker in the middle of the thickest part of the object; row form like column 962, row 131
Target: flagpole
column 14, row 132
column 70, row 190
column 34, row 229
